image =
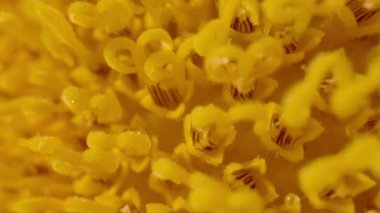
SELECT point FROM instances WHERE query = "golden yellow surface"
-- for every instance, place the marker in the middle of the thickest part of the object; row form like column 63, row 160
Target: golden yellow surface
column 204, row 106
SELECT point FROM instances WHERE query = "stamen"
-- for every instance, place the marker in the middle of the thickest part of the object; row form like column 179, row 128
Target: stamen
column 241, row 96
column 246, row 176
column 170, row 98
